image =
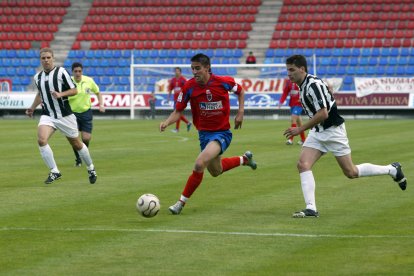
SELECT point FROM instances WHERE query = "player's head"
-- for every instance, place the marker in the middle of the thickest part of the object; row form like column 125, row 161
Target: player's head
column 297, row 68
column 77, row 70
column 177, row 71
column 201, row 68
column 47, row 59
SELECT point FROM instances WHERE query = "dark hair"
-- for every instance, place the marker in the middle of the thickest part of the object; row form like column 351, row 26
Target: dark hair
column 177, row 68
column 203, row 59
column 76, row 64
column 298, row 61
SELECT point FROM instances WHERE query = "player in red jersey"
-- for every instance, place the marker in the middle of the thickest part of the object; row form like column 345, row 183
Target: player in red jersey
column 208, row 95
column 295, row 108
column 176, row 85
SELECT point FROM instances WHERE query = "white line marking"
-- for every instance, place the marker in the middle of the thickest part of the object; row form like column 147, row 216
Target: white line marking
column 177, row 231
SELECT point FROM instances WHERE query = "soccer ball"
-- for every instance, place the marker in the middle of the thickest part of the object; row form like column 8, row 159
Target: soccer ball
column 148, row 205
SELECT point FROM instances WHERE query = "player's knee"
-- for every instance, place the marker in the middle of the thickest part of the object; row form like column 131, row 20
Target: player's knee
column 351, row 173
column 41, row 142
column 199, row 166
column 303, row 166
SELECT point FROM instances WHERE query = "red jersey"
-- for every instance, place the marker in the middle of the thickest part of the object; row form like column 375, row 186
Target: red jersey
column 176, row 85
column 210, row 103
column 292, row 89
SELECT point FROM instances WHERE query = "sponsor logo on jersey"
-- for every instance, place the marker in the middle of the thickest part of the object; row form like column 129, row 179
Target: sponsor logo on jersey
column 211, row 105
column 209, row 95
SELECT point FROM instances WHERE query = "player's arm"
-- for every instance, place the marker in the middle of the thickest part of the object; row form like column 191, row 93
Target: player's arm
column 174, row 117
column 318, row 118
column 285, row 93
column 240, row 114
column 37, row 100
column 67, row 93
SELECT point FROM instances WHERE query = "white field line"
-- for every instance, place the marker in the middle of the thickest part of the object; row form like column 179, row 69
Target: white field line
column 178, row 231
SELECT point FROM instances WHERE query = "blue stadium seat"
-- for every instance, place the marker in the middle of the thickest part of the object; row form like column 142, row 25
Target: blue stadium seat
column 21, row 71
column 116, row 53
column 3, row 71
column 11, row 54
column 355, row 52
column 372, row 61
column 270, row 53
column 11, row 71
column 344, row 61
column 392, row 61
column 15, row 62
column 363, row 61
column 375, row 52
column 390, row 70
column 380, row 70
column 353, row 61
column 394, row 52
column 405, row 52
column 106, row 80
column 383, row 61
column 401, row 71
column 366, row 52
column 126, row 54
column 409, row 70
column 341, row 71
column 403, row 60
column 385, row 52
column 25, row 80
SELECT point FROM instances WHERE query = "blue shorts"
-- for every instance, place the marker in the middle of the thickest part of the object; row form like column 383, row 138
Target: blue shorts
column 223, row 137
column 296, row 110
column 84, row 120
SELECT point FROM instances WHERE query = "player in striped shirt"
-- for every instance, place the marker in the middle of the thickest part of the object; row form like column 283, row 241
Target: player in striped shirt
column 208, row 95
column 54, row 87
column 327, row 134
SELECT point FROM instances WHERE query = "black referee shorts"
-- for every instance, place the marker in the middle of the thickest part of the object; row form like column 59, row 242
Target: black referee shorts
column 84, row 120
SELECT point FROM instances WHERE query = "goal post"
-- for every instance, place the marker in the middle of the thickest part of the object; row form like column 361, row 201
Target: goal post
column 265, row 80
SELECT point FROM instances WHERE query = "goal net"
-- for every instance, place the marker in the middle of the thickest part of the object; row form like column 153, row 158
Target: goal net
column 263, row 84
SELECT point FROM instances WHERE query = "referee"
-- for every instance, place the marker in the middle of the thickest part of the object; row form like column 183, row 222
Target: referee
column 81, row 105
column 54, row 87
column 327, row 134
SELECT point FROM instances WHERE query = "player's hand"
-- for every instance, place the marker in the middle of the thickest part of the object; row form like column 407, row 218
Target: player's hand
column 101, row 109
column 290, row 132
column 238, row 121
column 55, row 94
column 29, row 112
column 163, row 126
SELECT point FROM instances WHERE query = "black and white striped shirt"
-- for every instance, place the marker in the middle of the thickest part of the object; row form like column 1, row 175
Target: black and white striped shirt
column 314, row 95
column 57, row 80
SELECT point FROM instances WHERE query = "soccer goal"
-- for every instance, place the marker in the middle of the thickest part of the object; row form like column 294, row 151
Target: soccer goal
column 263, row 83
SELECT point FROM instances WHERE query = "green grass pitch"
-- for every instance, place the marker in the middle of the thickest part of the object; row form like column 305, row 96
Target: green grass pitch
column 236, row 224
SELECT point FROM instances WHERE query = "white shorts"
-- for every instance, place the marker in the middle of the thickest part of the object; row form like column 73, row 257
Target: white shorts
column 67, row 125
column 333, row 139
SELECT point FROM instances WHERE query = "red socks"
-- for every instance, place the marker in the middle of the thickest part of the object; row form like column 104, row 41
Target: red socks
column 182, row 118
column 192, row 183
column 230, row 163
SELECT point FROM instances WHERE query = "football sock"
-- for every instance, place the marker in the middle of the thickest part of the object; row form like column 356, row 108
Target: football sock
column 368, row 169
column 291, row 138
column 231, row 162
column 47, row 156
column 192, row 183
column 184, row 119
column 308, row 188
column 84, row 154
column 183, row 199
column 177, row 125
column 302, row 136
